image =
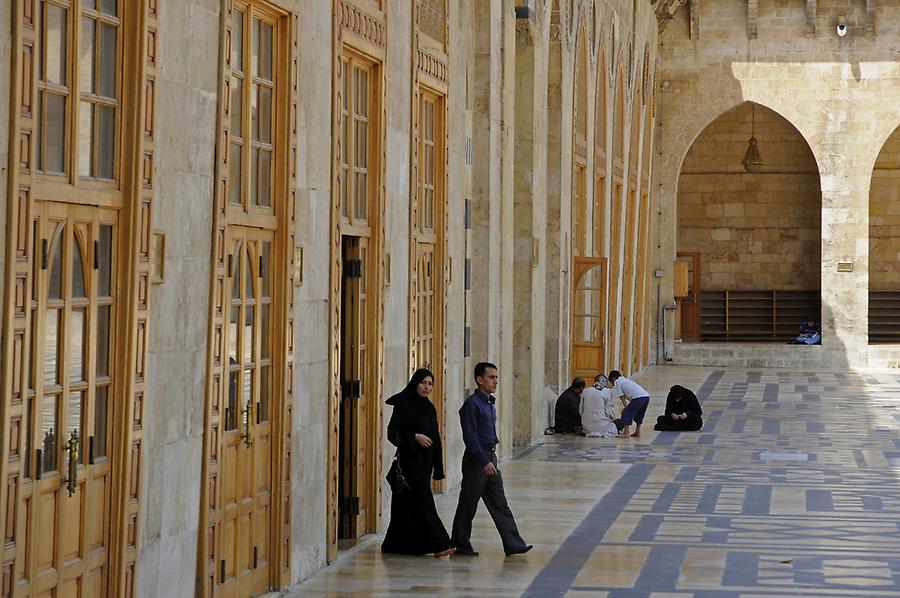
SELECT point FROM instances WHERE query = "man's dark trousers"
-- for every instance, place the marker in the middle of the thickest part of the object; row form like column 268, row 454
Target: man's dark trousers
column 478, row 485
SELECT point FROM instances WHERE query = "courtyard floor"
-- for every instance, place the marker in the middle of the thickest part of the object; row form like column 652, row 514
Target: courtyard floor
column 792, row 488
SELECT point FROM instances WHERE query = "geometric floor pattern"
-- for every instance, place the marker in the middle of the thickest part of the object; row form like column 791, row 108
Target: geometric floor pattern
column 792, row 488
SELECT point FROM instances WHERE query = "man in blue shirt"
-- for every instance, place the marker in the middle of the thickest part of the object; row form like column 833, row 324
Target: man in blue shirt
column 481, row 478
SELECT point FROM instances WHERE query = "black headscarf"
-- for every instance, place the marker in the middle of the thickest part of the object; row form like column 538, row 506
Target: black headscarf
column 414, row 414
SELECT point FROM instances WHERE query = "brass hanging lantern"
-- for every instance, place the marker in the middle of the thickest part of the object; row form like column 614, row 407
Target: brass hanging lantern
column 752, row 161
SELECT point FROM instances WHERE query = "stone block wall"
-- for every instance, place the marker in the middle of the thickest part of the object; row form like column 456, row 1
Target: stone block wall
column 841, row 94
column 884, row 218
column 754, row 231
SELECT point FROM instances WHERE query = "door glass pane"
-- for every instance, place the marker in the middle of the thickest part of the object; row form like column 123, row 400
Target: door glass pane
column 247, row 336
column 231, row 415
column 236, row 273
column 254, row 47
column 265, row 352
column 234, row 175
column 247, row 395
column 104, row 260
column 77, row 270
column 254, row 176
column 106, row 142
column 77, row 349
column 265, row 52
column 237, row 107
column 55, row 290
column 265, row 178
column 54, row 133
column 103, row 313
column 52, row 347
column 49, row 433
column 76, row 422
column 101, row 405
column 55, row 46
column 85, row 139
column 107, row 69
column 233, row 334
column 109, row 7
column 266, row 265
column 237, row 40
column 249, row 277
column 262, row 114
column 264, row 392
column 86, row 62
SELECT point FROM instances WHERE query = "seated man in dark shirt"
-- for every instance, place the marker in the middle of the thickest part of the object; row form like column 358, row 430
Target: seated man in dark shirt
column 683, row 412
column 809, row 334
column 567, row 418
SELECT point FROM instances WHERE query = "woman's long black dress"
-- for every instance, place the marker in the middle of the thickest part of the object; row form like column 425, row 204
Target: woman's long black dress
column 681, row 400
column 415, row 526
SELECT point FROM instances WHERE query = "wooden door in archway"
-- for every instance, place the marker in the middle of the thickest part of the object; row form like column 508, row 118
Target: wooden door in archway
column 687, row 293
column 65, row 501
column 589, row 317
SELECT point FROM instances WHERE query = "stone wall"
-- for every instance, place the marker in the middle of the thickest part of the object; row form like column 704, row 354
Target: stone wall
column 842, row 95
column 754, row 231
column 884, row 218
column 174, row 409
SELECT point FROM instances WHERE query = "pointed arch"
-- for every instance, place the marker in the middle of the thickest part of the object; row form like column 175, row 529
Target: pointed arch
column 884, row 243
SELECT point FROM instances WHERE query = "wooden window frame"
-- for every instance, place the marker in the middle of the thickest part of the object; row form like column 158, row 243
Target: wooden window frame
column 70, row 177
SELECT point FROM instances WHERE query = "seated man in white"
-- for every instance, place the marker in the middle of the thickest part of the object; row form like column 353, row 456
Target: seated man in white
column 598, row 410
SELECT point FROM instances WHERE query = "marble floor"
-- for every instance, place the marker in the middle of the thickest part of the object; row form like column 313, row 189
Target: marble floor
column 792, row 488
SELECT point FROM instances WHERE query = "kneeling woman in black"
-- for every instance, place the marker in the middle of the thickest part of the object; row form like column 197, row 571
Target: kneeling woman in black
column 682, row 412
column 415, row 526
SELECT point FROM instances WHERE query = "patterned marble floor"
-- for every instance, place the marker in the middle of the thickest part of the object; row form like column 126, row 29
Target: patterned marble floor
column 792, row 488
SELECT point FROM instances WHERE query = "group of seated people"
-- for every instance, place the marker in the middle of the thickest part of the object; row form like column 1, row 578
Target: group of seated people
column 592, row 410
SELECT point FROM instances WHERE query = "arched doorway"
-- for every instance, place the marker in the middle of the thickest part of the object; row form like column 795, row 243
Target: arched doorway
column 884, row 244
column 753, row 231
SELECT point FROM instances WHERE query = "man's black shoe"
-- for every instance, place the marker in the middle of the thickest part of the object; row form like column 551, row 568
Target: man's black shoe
column 520, row 551
column 463, row 552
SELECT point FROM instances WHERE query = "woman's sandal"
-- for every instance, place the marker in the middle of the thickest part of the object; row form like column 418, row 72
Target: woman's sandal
column 449, row 552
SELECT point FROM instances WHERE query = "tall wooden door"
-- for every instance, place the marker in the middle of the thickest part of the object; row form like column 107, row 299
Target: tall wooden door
column 245, row 524
column 589, row 317
column 354, row 429
column 64, row 509
column 687, row 292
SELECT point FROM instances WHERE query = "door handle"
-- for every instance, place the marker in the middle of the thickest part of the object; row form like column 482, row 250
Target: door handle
column 72, row 451
column 248, row 439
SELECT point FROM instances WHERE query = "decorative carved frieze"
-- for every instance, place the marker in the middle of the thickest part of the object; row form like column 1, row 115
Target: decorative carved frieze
column 367, row 26
column 431, row 66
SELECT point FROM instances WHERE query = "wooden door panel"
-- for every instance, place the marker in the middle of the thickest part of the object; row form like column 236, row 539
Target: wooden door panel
column 96, row 515
column 73, row 516
column 46, row 532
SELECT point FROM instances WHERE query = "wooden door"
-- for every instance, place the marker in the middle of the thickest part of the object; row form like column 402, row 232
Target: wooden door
column 246, row 526
column 64, row 509
column 689, row 303
column 354, row 428
column 589, row 317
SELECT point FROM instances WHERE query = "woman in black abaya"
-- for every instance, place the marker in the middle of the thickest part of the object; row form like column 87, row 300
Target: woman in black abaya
column 415, row 526
column 683, row 412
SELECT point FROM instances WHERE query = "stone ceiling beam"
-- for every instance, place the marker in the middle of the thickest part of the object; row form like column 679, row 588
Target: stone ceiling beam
column 694, row 7
column 811, row 10
column 752, row 16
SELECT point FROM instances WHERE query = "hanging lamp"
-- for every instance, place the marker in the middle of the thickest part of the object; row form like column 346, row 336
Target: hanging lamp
column 752, row 159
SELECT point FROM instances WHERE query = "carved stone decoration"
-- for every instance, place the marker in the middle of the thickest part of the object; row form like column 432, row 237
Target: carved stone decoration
column 362, row 24
column 694, row 10
column 431, row 66
column 870, row 17
column 432, row 19
column 666, row 10
column 752, row 16
column 811, row 9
